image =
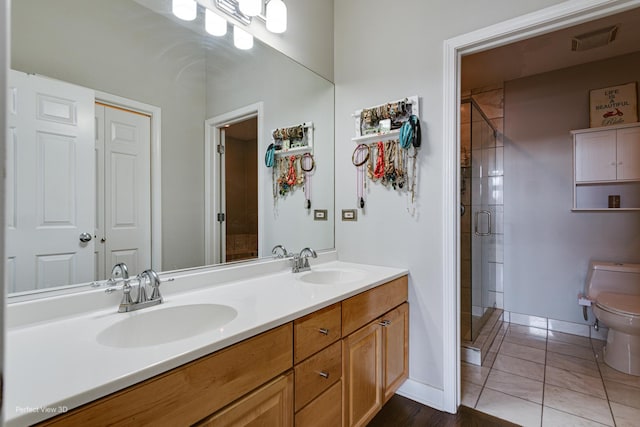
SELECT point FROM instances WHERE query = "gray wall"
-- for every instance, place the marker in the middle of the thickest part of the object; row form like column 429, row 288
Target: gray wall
column 291, row 94
column 4, row 49
column 309, row 35
column 137, row 58
column 548, row 247
column 385, row 51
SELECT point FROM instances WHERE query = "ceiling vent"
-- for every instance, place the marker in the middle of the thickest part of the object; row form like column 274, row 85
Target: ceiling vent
column 593, row 39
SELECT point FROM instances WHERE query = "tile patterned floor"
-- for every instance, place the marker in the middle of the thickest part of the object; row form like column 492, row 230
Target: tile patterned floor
column 545, row 378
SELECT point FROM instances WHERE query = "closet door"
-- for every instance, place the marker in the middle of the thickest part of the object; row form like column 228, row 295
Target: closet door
column 127, row 189
column 50, row 178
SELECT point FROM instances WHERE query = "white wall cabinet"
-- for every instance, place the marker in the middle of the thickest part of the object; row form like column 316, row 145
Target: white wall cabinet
column 607, row 163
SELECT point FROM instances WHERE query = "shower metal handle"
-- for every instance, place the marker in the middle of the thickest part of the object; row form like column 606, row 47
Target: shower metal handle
column 476, row 220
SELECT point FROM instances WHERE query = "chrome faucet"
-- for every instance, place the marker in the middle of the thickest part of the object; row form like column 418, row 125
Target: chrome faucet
column 121, row 273
column 280, row 251
column 300, row 262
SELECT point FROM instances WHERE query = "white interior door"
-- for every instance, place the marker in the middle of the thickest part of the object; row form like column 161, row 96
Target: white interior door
column 126, row 197
column 50, row 175
column 222, row 204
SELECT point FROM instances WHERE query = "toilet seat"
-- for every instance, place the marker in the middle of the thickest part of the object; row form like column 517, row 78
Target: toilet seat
column 623, row 304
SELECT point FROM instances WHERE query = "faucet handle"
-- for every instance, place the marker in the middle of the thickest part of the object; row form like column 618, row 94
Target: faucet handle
column 308, row 252
column 120, row 270
column 279, row 251
column 142, row 288
column 155, row 283
column 126, row 297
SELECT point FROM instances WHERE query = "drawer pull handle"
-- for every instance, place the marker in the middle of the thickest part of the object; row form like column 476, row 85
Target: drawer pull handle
column 324, row 331
column 384, row 323
column 324, row 374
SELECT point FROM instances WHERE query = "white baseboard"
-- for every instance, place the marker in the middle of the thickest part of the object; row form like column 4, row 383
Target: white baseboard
column 572, row 328
column 422, row 393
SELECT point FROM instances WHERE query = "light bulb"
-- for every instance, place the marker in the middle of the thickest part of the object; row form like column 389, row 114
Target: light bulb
column 185, row 9
column 214, row 24
column 242, row 39
column 276, row 16
column 251, row 7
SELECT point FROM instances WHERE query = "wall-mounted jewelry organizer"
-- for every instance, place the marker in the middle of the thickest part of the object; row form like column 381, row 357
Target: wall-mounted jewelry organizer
column 293, row 139
column 388, row 138
column 290, row 156
column 367, row 120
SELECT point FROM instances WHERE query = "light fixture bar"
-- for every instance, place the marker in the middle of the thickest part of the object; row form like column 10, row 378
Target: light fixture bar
column 232, row 8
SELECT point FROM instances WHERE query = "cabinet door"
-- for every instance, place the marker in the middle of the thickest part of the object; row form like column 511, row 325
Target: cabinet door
column 270, row 405
column 395, row 349
column 628, row 148
column 362, row 375
column 595, row 156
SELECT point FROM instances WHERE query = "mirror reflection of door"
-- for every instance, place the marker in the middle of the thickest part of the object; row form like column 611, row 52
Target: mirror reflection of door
column 239, row 193
column 78, row 185
column 50, row 176
column 123, row 190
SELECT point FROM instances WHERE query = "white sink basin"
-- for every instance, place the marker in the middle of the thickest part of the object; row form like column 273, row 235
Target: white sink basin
column 148, row 328
column 332, row 276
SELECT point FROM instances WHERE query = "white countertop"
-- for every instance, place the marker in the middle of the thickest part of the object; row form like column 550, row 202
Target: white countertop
column 56, row 365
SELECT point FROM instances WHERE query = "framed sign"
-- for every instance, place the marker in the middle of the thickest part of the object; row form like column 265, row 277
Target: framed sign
column 613, row 105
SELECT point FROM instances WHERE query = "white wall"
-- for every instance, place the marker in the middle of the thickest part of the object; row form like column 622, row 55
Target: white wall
column 385, row 51
column 4, row 50
column 548, row 247
column 141, row 59
column 309, row 35
column 291, row 95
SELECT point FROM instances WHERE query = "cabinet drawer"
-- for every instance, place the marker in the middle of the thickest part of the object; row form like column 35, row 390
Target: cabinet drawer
column 270, row 405
column 361, row 309
column 326, row 410
column 191, row 392
column 317, row 373
column 316, row 331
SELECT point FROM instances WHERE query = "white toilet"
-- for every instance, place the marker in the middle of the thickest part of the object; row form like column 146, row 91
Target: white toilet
column 614, row 290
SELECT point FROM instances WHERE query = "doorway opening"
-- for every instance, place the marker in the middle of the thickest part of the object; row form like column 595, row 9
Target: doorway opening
column 521, row 28
column 234, row 187
column 240, row 194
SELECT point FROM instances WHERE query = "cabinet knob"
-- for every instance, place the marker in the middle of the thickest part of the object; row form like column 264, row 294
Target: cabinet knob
column 384, row 323
column 323, row 331
column 324, row 374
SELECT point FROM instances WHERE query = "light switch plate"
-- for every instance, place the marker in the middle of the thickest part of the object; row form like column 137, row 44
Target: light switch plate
column 349, row 215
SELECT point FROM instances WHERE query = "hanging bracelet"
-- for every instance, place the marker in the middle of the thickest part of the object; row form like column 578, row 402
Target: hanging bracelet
column 307, row 156
column 355, row 153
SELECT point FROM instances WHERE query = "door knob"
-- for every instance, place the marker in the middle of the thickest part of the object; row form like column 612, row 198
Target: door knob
column 85, row 237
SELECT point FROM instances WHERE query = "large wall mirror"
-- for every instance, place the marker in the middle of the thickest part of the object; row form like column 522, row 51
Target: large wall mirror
column 154, row 97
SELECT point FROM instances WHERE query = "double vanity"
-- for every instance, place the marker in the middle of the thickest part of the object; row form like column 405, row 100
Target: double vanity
column 230, row 346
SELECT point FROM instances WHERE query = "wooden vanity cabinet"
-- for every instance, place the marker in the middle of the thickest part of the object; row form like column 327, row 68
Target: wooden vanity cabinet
column 270, row 405
column 334, row 367
column 194, row 391
column 318, row 368
column 375, row 356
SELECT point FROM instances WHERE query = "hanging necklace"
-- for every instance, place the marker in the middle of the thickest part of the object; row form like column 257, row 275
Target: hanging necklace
column 378, row 172
column 359, row 158
column 307, row 164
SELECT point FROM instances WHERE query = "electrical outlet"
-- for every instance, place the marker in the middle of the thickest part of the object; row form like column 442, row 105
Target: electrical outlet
column 320, row 215
column 349, row 215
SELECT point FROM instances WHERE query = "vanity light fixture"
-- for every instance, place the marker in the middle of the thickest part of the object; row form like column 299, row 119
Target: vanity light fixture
column 276, row 16
column 251, row 7
column 241, row 39
column 214, row 24
column 184, row 9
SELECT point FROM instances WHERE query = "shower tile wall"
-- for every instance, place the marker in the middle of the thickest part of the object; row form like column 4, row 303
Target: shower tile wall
column 482, row 173
column 491, row 153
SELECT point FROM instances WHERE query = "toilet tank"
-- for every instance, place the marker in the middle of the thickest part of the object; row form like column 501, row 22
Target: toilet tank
column 613, row 277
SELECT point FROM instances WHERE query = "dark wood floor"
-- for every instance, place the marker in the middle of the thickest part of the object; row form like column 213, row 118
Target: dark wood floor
column 402, row 412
